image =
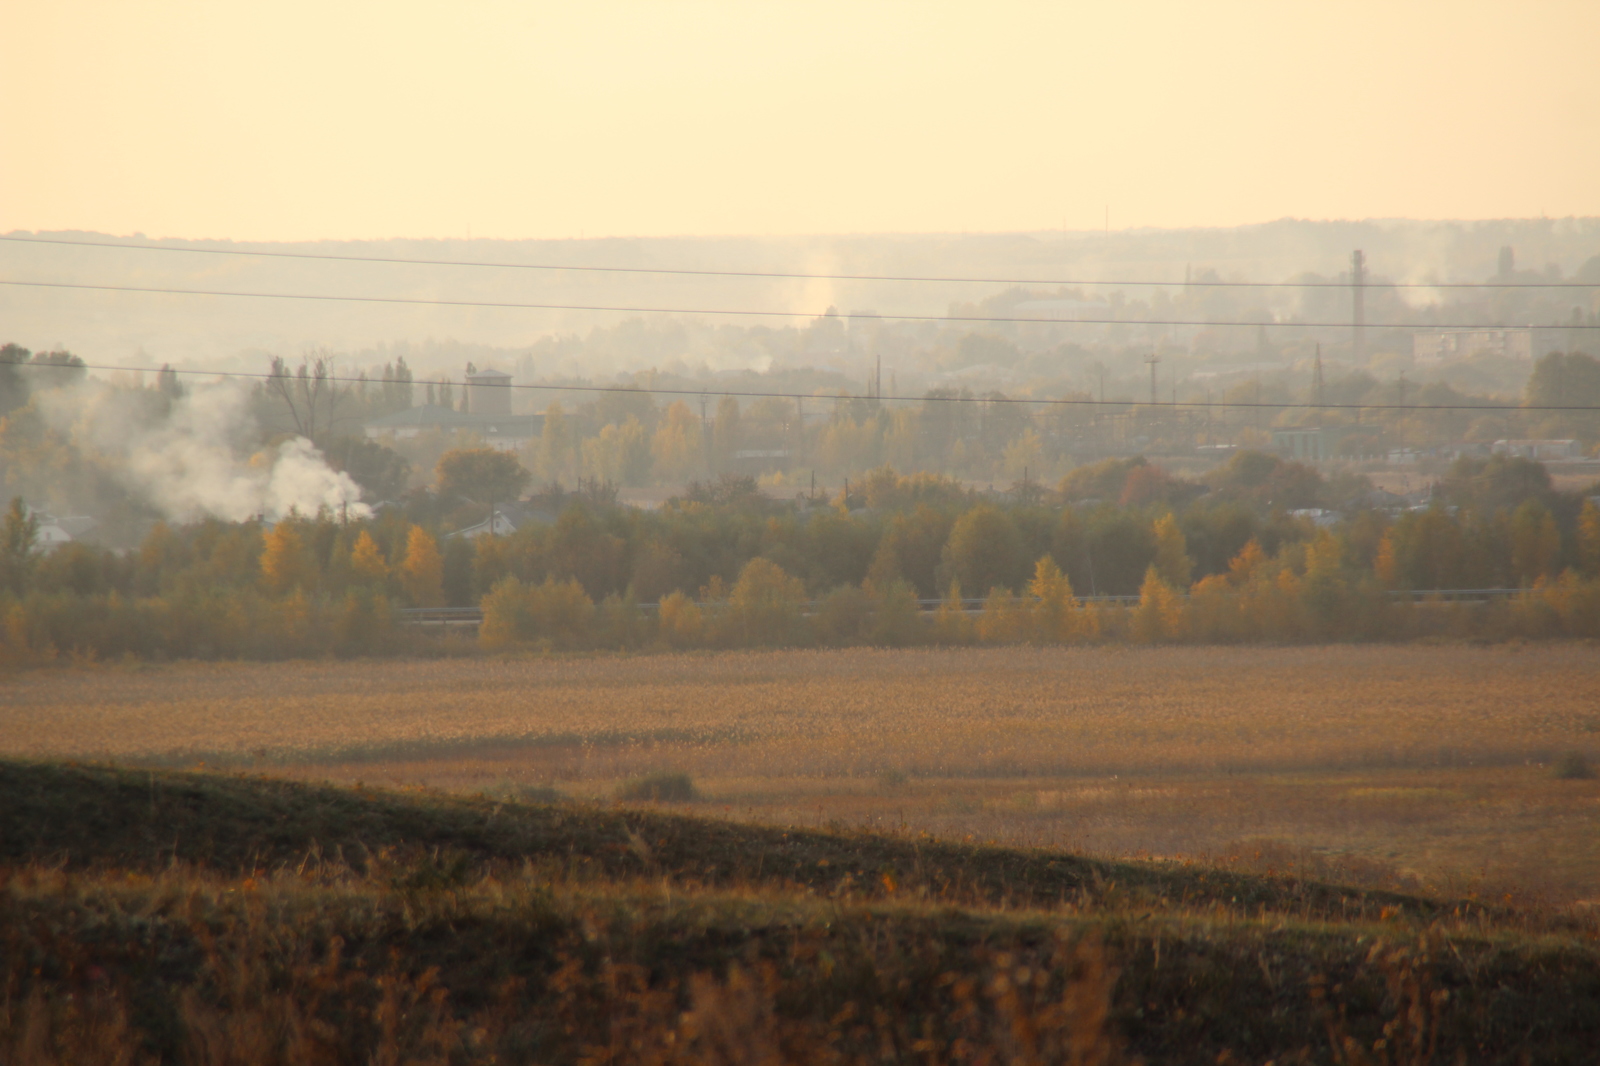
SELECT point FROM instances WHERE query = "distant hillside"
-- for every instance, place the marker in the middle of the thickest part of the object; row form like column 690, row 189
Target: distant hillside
column 218, row 332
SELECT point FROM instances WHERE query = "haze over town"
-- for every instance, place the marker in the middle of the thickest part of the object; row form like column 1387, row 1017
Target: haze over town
column 722, row 533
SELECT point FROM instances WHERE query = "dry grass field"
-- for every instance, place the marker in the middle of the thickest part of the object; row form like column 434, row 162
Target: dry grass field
column 1429, row 767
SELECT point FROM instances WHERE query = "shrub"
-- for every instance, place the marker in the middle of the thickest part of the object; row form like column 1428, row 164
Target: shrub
column 1004, row 619
column 892, row 778
column 1573, row 767
column 897, row 617
column 663, row 787
column 842, row 616
column 680, row 621
column 558, row 612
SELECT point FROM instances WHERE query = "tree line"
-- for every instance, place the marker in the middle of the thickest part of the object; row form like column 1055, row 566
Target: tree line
column 1221, row 559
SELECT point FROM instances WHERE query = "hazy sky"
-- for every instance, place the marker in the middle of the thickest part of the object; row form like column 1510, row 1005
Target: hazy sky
column 339, row 119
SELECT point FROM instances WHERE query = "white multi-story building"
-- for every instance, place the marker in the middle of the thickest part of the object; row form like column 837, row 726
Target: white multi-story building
column 1438, row 345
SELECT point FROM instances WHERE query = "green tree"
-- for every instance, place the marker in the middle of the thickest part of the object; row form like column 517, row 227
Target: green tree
column 381, row 472
column 1589, row 539
column 17, row 537
column 842, row 616
column 485, row 476
column 1535, row 542
column 726, row 433
column 896, row 616
column 1566, row 380
column 765, row 604
column 557, row 613
column 984, row 551
column 1499, row 483
column 633, row 454
column 13, row 382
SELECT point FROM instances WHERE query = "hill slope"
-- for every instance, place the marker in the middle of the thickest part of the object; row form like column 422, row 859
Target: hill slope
column 301, row 923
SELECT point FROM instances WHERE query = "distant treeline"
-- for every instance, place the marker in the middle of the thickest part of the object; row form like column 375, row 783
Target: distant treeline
column 724, row 566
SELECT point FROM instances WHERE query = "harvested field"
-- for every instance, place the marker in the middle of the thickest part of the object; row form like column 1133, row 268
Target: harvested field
column 1425, row 766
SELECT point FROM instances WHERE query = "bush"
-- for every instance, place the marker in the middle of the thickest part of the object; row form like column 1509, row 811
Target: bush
column 1573, row 767
column 842, row 616
column 559, row 613
column 663, row 787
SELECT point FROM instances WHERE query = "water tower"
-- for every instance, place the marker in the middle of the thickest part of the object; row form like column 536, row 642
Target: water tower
column 488, row 391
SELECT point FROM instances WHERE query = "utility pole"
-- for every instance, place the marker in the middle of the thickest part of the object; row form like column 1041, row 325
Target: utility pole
column 705, row 436
column 1358, row 305
column 1099, row 412
column 1316, row 385
column 800, row 439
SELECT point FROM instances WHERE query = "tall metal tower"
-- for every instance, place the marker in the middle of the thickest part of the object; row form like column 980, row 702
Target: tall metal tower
column 1358, row 304
column 1154, row 360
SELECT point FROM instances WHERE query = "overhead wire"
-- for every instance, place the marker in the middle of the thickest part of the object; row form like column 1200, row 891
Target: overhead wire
column 758, row 313
column 801, row 275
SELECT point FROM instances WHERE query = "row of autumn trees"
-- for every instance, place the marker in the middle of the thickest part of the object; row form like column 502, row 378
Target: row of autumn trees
column 1218, row 560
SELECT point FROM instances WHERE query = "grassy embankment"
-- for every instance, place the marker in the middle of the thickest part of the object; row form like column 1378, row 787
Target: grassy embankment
column 210, row 918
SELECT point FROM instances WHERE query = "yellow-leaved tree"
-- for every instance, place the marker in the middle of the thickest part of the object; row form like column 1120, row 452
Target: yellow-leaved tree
column 1004, row 618
column 680, row 623
column 1172, row 553
column 1244, row 565
column 422, row 570
column 366, row 560
column 676, row 446
column 1057, row 615
column 285, row 562
column 1159, row 616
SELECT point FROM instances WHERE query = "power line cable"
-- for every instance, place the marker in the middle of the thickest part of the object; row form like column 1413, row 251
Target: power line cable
column 751, row 313
column 762, row 394
column 801, row 275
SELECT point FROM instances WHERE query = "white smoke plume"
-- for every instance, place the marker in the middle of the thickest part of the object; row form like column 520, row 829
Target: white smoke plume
column 195, row 462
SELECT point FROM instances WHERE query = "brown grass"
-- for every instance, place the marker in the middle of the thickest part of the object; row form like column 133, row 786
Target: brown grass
column 1417, row 766
column 232, row 919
